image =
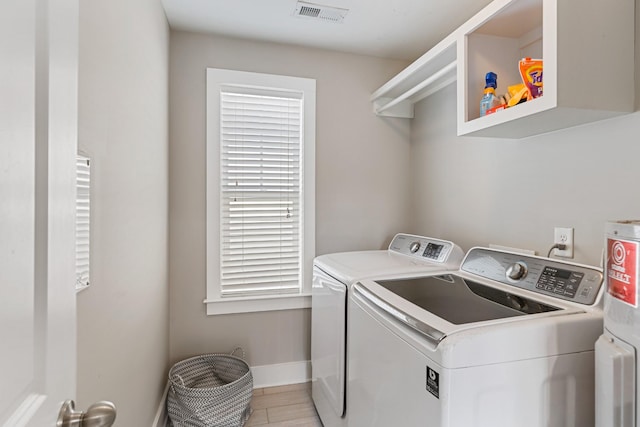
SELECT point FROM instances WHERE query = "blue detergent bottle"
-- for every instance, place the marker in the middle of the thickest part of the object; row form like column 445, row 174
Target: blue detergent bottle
column 489, row 99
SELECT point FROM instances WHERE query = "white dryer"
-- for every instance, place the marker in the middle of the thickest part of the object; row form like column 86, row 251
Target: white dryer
column 333, row 275
column 506, row 341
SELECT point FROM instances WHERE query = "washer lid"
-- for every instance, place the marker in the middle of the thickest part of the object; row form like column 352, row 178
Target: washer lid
column 461, row 301
column 459, row 322
column 447, row 304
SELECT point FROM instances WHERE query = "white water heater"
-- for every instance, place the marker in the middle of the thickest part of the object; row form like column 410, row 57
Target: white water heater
column 617, row 370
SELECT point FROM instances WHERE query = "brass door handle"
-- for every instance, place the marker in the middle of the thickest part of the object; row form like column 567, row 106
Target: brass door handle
column 100, row 414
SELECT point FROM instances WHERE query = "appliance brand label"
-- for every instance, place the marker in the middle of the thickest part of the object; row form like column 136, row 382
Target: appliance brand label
column 622, row 270
column 433, row 382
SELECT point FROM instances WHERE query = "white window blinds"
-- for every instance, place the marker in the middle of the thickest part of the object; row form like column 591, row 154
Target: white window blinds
column 83, row 181
column 261, row 140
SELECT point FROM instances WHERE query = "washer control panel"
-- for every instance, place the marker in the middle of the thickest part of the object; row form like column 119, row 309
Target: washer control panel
column 563, row 280
column 425, row 248
column 560, row 281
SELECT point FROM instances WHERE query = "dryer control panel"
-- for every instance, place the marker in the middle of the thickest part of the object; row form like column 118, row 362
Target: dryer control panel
column 563, row 280
column 425, row 248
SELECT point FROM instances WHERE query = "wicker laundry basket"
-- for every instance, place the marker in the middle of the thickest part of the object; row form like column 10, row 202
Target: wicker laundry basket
column 211, row 390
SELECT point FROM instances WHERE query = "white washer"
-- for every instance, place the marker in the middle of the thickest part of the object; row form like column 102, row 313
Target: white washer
column 333, row 275
column 506, row 341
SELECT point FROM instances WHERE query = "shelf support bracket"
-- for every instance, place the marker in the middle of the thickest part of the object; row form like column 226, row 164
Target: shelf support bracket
column 447, row 69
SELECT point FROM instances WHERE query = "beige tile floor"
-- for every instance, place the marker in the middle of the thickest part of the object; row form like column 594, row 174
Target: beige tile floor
column 289, row 405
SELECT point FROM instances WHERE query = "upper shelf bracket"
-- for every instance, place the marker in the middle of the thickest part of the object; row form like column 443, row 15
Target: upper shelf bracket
column 428, row 86
column 431, row 72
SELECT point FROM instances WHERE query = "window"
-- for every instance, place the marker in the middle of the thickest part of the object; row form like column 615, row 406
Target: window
column 83, row 223
column 260, row 191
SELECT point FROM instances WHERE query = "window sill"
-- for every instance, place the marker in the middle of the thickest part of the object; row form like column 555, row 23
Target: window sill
column 256, row 304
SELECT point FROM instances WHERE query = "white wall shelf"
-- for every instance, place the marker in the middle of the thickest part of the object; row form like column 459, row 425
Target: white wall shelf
column 588, row 53
column 428, row 74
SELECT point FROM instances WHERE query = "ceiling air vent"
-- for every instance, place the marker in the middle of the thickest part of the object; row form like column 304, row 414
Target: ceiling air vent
column 318, row 11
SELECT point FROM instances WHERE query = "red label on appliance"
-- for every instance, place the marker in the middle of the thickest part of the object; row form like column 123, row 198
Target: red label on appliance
column 622, row 270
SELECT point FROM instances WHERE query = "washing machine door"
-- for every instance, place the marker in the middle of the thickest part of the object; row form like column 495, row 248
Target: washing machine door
column 615, row 382
column 328, row 342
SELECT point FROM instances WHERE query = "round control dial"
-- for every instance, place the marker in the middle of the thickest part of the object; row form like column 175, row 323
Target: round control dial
column 414, row 247
column 517, row 271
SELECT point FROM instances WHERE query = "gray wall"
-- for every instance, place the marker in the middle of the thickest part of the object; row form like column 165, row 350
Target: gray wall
column 361, row 174
column 477, row 191
column 123, row 115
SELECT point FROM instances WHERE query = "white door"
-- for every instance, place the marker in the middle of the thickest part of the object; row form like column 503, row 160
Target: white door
column 38, row 138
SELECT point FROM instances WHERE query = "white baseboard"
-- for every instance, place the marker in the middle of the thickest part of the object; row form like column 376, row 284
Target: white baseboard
column 162, row 418
column 263, row 376
column 281, row 374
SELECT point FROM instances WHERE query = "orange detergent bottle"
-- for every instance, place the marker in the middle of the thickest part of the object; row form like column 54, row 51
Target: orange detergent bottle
column 531, row 73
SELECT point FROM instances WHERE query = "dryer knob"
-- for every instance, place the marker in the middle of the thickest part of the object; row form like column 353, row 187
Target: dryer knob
column 517, row 271
column 414, row 247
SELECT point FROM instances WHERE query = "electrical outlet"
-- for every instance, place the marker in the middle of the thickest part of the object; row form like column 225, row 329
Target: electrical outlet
column 563, row 236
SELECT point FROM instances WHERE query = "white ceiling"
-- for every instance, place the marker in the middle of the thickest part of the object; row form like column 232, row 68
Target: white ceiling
column 400, row 29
